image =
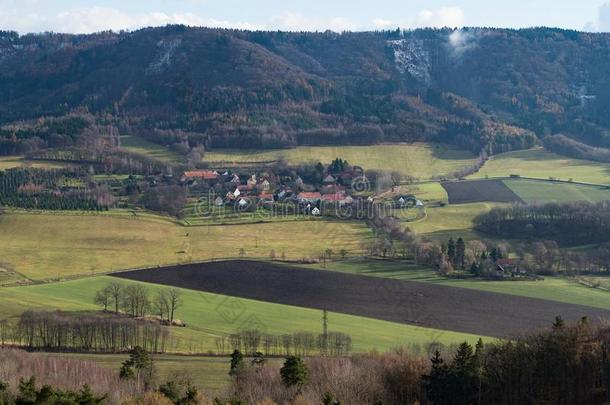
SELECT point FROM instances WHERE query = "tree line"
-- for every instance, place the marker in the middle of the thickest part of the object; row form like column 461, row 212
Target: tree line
column 563, row 145
column 567, row 364
column 569, row 224
column 251, row 342
column 135, row 300
column 61, row 331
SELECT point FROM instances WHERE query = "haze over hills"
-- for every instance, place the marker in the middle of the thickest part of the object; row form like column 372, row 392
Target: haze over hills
column 506, row 89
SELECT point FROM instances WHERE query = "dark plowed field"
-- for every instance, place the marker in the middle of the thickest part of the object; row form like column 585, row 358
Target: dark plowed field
column 462, row 192
column 440, row 307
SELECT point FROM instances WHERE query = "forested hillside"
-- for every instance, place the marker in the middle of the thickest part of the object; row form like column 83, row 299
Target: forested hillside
column 504, row 89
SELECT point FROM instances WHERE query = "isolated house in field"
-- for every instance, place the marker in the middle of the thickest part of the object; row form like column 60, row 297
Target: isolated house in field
column 419, row 204
column 242, row 202
column 218, row 201
column 315, row 211
column 311, row 197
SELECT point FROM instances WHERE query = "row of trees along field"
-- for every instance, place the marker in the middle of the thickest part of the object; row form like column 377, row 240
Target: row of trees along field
column 135, row 300
column 392, row 239
column 251, row 342
column 569, row 224
column 563, row 145
column 104, row 160
column 62, row 331
column 41, row 189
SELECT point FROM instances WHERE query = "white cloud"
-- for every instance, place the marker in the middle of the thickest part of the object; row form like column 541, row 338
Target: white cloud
column 602, row 24
column 452, row 17
column 441, row 17
column 23, row 18
column 289, row 21
column 383, row 24
column 604, row 18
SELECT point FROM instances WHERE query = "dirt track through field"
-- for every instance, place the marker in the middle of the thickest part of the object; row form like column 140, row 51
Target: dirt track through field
column 473, row 191
column 408, row 302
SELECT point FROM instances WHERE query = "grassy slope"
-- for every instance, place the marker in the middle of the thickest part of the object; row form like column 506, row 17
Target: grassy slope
column 532, row 191
column 142, row 146
column 540, row 163
column 417, row 160
column 211, row 315
column 207, row 373
column 45, row 246
column 551, row 288
column 450, row 220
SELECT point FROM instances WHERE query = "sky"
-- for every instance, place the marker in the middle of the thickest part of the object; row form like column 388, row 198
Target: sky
column 81, row 16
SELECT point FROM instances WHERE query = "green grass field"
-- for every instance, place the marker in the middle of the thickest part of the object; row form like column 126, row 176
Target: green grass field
column 417, row 160
column 450, row 220
column 201, row 212
column 142, row 146
column 211, row 315
column 539, row 163
column 11, row 162
column 47, row 246
column 532, row 191
column 561, row 289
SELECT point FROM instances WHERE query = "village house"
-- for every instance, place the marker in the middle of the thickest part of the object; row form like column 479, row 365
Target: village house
column 252, row 182
column 331, row 198
column 201, row 174
column 264, row 185
column 311, row 197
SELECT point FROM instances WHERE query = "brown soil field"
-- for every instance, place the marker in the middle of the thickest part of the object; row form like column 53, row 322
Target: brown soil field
column 409, row 302
column 462, row 192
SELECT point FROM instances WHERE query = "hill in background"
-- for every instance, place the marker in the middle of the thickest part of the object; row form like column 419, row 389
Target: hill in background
column 503, row 89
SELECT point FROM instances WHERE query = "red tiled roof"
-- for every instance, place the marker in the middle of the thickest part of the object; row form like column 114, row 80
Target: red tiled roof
column 334, row 197
column 201, row 174
column 309, row 196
